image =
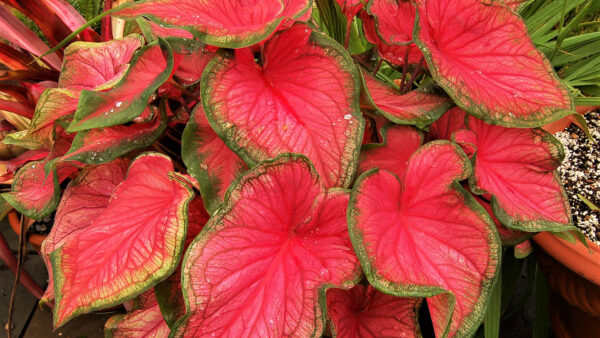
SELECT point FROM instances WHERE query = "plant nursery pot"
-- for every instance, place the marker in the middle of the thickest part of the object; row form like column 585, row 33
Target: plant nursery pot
column 575, row 301
column 35, row 239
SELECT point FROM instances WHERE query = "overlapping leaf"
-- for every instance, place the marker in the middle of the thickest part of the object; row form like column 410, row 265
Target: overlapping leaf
column 423, row 235
column 149, row 68
column 135, row 243
column 84, row 199
column 97, row 66
column 446, row 125
column 208, row 159
column 480, row 52
column 34, row 193
column 390, row 29
column 365, row 312
column 399, row 143
column 223, row 23
column 145, row 321
column 279, row 230
column 303, row 98
column 517, row 166
column 416, row 107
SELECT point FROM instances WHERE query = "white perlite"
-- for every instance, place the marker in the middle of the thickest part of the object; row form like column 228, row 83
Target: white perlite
column 580, row 173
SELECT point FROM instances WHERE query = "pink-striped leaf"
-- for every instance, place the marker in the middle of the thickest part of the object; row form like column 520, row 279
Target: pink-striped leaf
column 134, row 243
column 302, row 99
column 145, row 321
column 423, row 235
column 481, row 53
column 191, row 67
column 223, row 23
column 416, row 107
column 97, row 66
column 150, row 67
column 399, row 143
column 518, row 167
column 279, row 229
column 84, row 199
column 364, row 312
column 209, row 160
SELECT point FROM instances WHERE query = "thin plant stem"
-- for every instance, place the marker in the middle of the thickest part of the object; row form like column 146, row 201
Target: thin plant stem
column 404, row 68
column 413, row 76
column 378, row 66
column 13, row 294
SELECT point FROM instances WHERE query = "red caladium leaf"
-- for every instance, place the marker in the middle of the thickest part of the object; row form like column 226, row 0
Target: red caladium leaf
column 445, row 126
column 145, row 221
column 302, row 99
column 34, row 193
column 191, row 67
column 416, row 107
column 517, row 166
column 231, row 24
column 483, row 57
column 150, row 68
column 145, row 321
column 423, row 235
column 97, row 66
column 365, row 312
column 395, row 54
column 394, row 20
column 399, row 143
column 84, row 199
column 208, row 159
column 103, row 145
column 53, row 104
column 515, row 5
column 351, row 7
column 279, row 230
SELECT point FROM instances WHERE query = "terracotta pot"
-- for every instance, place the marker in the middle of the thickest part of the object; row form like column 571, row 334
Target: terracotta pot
column 35, row 239
column 573, row 272
column 566, row 121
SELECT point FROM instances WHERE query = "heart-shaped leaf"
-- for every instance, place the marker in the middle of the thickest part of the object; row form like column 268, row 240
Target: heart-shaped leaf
column 278, row 230
column 416, row 107
column 53, row 104
column 518, row 167
column 509, row 237
column 97, row 66
column 150, row 68
column 481, row 53
column 423, row 235
column 135, row 243
column 399, row 143
column 445, row 126
column 303, row 98
column 84, row 199
column 208, row 159
column 365, row 312
column 191, row 67
column 351, row 7
column 223, row 23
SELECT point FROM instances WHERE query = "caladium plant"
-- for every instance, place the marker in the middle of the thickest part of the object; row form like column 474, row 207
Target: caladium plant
column 235, row 171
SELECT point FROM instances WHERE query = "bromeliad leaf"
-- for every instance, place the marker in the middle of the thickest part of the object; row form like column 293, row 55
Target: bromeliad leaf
column 423, row 235
column 416, row 107
column 97, row 66
column 209, row 160
column 303, row 98
column 399, row 143
column 135, row 243
column 517, row 166
column 223, row 23
column 150, row 68
column 278, row 230
column 365, row 312
column 481, row 54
